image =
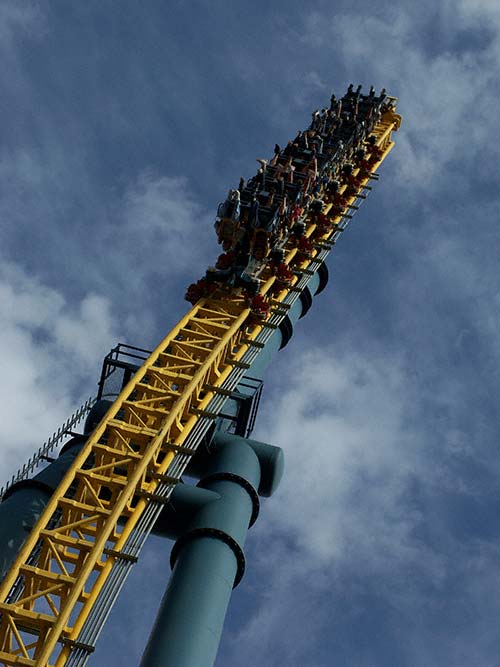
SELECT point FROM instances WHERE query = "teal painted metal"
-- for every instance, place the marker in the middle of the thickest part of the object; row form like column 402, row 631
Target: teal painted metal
column 208, row 557
column 271, row 460
column 24, row 501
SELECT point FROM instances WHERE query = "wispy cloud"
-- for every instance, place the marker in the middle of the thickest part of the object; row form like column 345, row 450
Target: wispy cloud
column 446, row 88
column 351, row 531
column 163, row 225
column 18, row 17
column 52, row 352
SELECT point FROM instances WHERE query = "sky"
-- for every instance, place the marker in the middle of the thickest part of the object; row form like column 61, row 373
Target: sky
column 123, row 126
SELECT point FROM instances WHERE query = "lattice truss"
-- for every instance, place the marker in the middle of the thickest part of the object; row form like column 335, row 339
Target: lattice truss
column 95, row 522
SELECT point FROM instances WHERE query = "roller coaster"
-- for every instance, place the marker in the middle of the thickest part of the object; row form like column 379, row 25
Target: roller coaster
column 61, row 578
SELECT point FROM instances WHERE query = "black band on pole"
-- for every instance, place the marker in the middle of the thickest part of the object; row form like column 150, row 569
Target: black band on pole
column 236, row 479
column 216, row 534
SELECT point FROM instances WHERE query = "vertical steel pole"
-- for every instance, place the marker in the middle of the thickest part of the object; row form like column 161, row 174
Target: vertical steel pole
column 208, row 561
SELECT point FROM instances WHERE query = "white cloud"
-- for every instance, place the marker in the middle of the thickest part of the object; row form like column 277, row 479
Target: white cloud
column 17, row 16
column 132, row 244
column 51, row 357
column 152, row 235
column 85, row 332
column 164, row 227
column 447, row 99
column 349, row 460
column 484, row 10
column 348, row 523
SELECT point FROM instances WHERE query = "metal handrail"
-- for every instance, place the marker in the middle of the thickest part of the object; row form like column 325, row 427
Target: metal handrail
column 34, row 461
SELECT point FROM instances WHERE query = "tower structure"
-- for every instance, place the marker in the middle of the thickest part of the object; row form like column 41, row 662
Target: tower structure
column 90, row 512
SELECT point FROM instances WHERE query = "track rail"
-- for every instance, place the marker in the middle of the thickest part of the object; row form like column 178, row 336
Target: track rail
column 93, row 528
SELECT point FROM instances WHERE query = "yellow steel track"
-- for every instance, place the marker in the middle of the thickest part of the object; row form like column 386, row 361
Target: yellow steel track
column 70, row 553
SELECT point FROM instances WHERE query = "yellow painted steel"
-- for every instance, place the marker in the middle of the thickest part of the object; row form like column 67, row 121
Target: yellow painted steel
column 102, row 497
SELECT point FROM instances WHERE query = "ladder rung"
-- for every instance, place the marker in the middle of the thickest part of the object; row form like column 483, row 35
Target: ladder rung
column 218, row 390
column 204, row 413
column 238, row 364
column 179, row 449
column 252, row 343
column 155, row 497
column 121, row 555
column 164, row 479
column 75, row 644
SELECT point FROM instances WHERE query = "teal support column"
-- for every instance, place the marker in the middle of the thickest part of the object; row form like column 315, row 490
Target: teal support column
column 207, row 558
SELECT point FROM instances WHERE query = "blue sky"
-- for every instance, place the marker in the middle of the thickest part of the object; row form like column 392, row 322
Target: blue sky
column 124, row 124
